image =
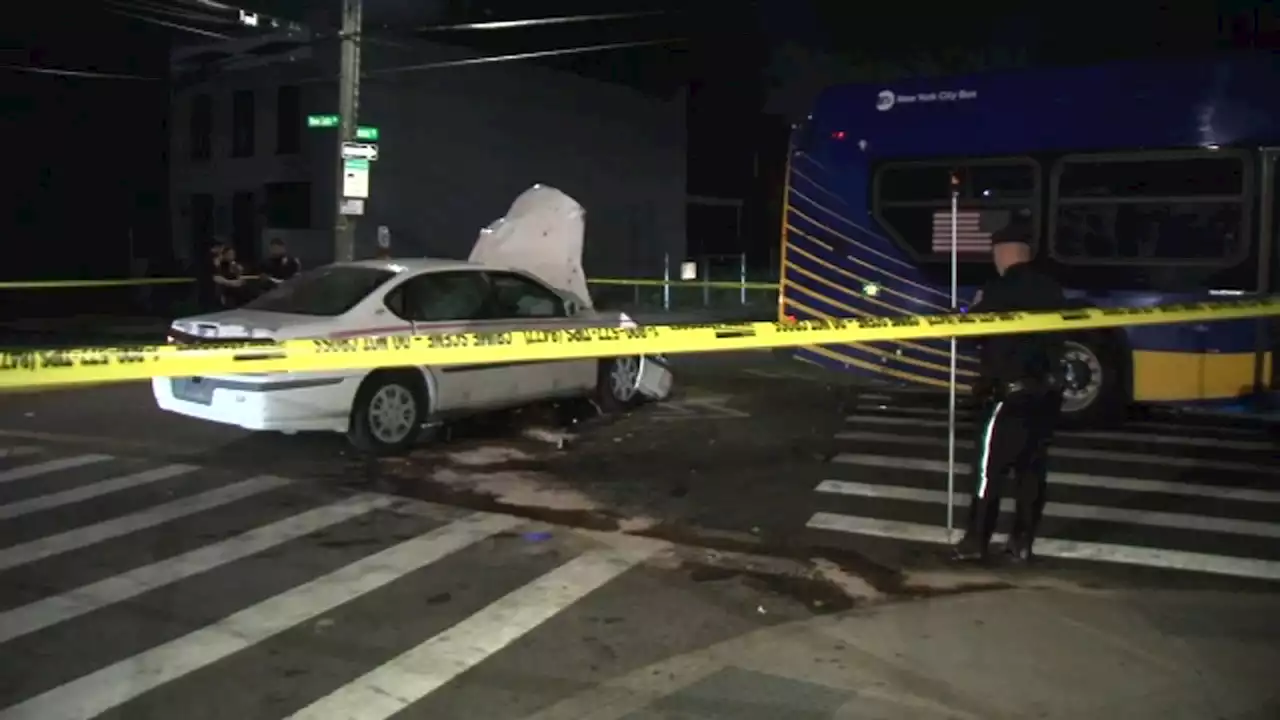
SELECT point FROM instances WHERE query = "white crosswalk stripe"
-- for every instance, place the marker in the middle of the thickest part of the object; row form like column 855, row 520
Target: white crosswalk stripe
column 51, row 466
column 393, row 686
column 88, row 492
column 61, row 578
column 83, row 536
column 58, row 608
column 1182, row 494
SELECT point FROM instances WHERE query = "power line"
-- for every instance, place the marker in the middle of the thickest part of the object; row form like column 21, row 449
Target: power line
column 521, row 56
column 540, row 22
column 173, row 25
column 461, row 62
column 63, row 72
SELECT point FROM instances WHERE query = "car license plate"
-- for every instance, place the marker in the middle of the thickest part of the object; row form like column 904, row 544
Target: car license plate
column 193, row 389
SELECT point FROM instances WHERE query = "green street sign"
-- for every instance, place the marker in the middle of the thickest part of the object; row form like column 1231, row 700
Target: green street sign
column 364, row 132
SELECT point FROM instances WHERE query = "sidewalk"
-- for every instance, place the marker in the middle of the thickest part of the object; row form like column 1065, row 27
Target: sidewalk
column 998, row 655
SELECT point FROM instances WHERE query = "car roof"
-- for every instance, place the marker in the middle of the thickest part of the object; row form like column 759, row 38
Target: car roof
column 418, row 265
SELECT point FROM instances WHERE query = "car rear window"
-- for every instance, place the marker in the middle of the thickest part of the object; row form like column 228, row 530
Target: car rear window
column 327, row 291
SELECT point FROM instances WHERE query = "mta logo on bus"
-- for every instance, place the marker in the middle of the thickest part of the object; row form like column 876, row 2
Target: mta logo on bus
column 885, row 100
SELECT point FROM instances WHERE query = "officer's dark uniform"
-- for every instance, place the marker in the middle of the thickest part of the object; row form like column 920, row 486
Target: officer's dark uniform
column 1020, row 394
column 281, row 267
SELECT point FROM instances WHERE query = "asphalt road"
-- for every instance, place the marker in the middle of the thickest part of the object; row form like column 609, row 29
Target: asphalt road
column 134, row 587
column 660, row 564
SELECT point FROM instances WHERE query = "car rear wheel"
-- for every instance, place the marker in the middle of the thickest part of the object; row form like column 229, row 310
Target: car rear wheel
column 617, row 386
column 388, row 412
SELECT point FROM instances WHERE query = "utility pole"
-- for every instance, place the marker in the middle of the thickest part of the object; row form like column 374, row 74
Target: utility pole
column 344, row 234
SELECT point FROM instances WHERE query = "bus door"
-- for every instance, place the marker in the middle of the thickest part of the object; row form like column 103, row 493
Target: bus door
column 1268, row 270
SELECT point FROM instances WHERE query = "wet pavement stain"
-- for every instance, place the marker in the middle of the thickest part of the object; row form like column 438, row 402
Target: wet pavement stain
column 817, row 595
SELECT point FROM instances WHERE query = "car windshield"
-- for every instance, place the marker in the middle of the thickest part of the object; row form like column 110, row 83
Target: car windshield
column 328, row 291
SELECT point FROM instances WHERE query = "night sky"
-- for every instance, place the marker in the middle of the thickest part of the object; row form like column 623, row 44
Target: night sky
column 90, row 165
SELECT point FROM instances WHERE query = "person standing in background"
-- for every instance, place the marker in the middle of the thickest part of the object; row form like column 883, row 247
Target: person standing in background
column 280, row 265
column 229, row 278
column 206, row 273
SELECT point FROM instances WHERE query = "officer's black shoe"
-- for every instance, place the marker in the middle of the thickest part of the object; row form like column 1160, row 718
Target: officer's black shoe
column 1017, row 552
column 969, row 549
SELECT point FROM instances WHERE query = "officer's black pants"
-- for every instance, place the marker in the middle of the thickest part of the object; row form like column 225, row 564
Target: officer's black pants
column 1013, row 437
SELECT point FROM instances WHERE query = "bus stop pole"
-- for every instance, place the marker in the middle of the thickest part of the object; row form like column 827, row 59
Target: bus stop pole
column 951, row 385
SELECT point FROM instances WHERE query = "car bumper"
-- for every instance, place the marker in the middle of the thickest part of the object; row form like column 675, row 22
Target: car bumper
column 289, row 403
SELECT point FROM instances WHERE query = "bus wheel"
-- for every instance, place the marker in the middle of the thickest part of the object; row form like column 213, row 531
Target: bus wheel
column 1093, row 379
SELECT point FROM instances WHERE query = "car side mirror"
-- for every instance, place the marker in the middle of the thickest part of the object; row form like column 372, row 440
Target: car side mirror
column 571, row 308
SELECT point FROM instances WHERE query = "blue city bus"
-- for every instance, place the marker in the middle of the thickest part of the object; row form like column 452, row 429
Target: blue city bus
column 1145, row 183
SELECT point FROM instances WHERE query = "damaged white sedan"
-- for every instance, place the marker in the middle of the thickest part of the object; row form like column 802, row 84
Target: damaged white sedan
column 525, row 273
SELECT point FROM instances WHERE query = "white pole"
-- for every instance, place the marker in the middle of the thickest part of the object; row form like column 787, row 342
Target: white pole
column 666, row 281
column 951, row 405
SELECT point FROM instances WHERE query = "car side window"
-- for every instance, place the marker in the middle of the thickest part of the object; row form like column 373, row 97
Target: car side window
column 519, row 297
column 440, row 297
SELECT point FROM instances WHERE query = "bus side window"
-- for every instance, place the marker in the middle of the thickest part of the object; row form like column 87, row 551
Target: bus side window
column 912, row 201
column 1157, row 208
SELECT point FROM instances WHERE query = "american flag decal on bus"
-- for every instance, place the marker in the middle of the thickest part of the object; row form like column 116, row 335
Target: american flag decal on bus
column 969, row 235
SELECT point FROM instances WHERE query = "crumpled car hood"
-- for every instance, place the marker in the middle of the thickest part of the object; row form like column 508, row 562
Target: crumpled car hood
column 542, row 234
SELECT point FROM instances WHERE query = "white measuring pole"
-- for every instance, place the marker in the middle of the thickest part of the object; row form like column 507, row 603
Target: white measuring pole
column 951, row 404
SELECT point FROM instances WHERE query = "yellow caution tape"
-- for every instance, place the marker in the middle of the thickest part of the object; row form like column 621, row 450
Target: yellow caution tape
column 66, row 284
column 140, row 282
column 60, row 367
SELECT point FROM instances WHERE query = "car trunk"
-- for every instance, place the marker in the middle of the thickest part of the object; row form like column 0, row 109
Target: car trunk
column 245, row 325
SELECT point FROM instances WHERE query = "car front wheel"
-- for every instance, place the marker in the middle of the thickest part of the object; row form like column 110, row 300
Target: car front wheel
column 617, row 387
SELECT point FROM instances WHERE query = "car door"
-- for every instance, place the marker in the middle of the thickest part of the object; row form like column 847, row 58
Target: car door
column 453, row 302
column 520, row 302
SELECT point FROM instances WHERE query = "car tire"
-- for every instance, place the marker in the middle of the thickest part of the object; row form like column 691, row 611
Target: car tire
column 1095, row 368
column 388, row 412
column 616, row 384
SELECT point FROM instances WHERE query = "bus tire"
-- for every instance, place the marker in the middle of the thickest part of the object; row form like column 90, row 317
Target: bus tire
column 1096, row 368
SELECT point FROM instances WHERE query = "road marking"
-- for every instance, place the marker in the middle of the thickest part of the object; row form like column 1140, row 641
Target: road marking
column 709, row 407
column 18, row 451
column 1169, row 487
column 67, row 438
column 775, row 374
column 1065, row 549
column 95, row 693
column 965, row 409
column 909, row 409
column 50, row 466
column 1070, row 452
column 1149, row 518
column 157, row 515
column 87, row 492
column 1189, row 440
column 82, row 600
column 417, row 673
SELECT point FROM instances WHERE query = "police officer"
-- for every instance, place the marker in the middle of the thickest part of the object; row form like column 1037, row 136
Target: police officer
column 1020, row 395
column 280, row 265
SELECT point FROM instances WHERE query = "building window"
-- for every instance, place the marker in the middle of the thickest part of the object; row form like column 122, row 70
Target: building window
column 201, row 137
column 912, row 200
column 242, row 123
column 288, row 205
column 202, row 228
column 1151, row 208
column 288, row 120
